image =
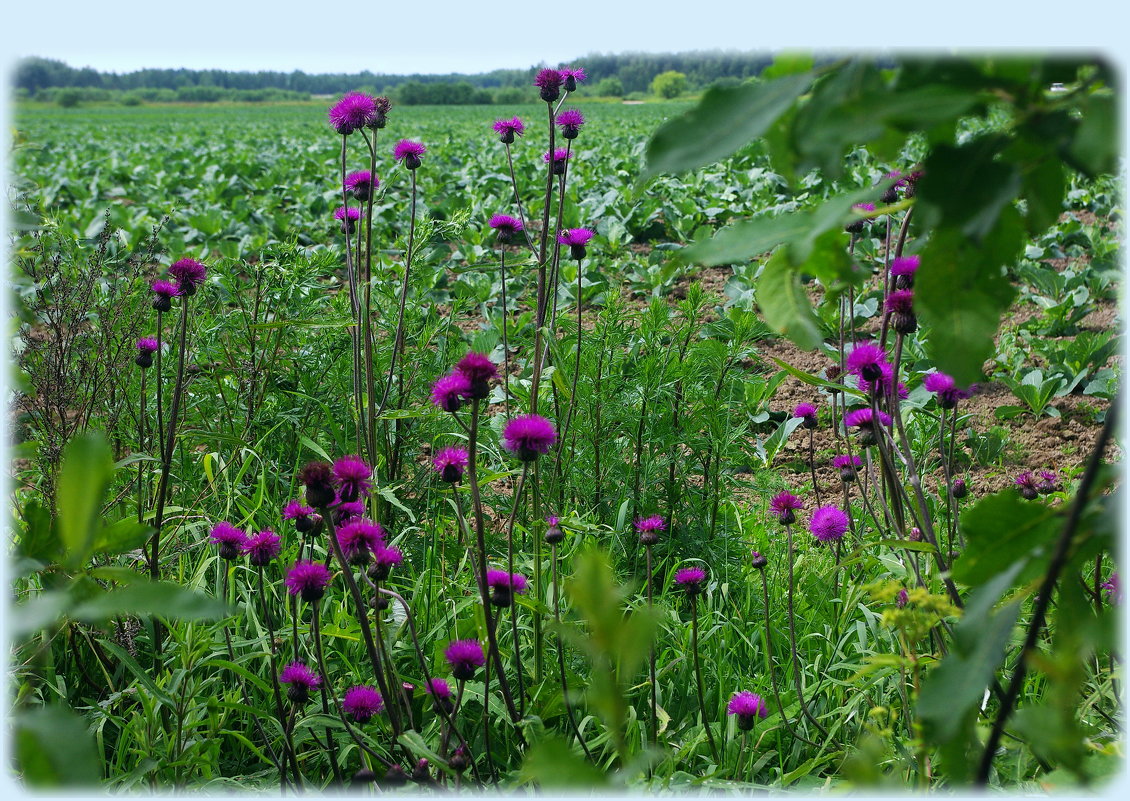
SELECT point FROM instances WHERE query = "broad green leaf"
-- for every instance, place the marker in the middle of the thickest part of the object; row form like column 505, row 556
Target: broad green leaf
column 1095, row 148
column 967, row 187
column 39, row 612
column 121, row 536
column 54, row 748
column 159, row 598
column 724, row 120
column 552, row 763
column 1001, row 530
column 960, row 292
column 952, row 688
column 39, row 538
column 784, row 304
column 85, row 475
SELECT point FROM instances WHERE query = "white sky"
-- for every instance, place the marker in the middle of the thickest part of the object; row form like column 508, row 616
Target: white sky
column 478, row 35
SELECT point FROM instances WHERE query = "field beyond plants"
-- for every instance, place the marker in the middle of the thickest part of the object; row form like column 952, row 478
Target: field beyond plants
column 760, row 442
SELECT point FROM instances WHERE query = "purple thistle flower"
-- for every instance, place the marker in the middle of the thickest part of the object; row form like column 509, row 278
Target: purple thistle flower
column 902, row 599
column 653, row 523
column 351, row 475
column 847, row 465
column 901, row 301
column 856, row 225
column 1113, row 588
column 1049, row 482
column 828, row 523
column 691, row 579
column 361, row 184
column 388, row 555
column 348, row 217
column 577, row 239
column 359, row 539
column 747, row 707
column 146, row 347
column 549, row 82
column 946, row 389
column 450, row 464
column 189, row 274
column 905, row 266
column 302, row 681
column 958, row 488
column 864, row 420
column 559, row 156
column 448, row 392
column 438, row 688
column 318, row 480
column 464, row 656
column 308, row 579
column 572, row 77
column 303, row 516
column 807, row 413
column 528, row 436
column 385, row 558
column 649, row 528
column 903, row 270
column 362, row 702
column 229, row 538
column 505, row 227
column 1026, row 483
column 479, row 370
column 344, row 511
column 570, row 122
column 783, row 506
column 882, row 386
column 355, row 110
column 866, row 360
column 758, row 560
column 508, row 129
column 900, row 306
column 410, row 152
column 262, row 547
column 503, row 586
column 553, row 532
column 164, row 292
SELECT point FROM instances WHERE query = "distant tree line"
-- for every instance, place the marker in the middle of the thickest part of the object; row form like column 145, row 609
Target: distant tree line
column 608, row 75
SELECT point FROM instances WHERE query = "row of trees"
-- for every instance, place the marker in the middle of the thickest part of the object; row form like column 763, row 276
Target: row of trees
column 609, row 75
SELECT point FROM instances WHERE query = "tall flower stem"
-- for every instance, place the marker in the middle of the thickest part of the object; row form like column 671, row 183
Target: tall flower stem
column 393, row 701
column 561, row 654
column 158, row 376
column 539, row 314
column 355, row 307
column 518, row 669
column 812, row 464
column 398, row 344
column 480, row 541
column 654, row 732
column 337, row 704
column 769, row 660
column 316, row 633
column 518, row 202
column 447, row 716
column 505, row 342
column 792, row 637
column 367, row 277
column 698, row 677
column 141, row 431
column 279, row 713
column 167, row 460
column 539, row 589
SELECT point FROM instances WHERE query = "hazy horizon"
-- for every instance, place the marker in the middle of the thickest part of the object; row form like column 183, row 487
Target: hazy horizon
column 458, row 37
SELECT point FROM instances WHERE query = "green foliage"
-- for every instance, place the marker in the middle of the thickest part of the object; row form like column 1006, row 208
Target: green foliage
column 609, row 87
column 669, row 84
column 967, row 196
